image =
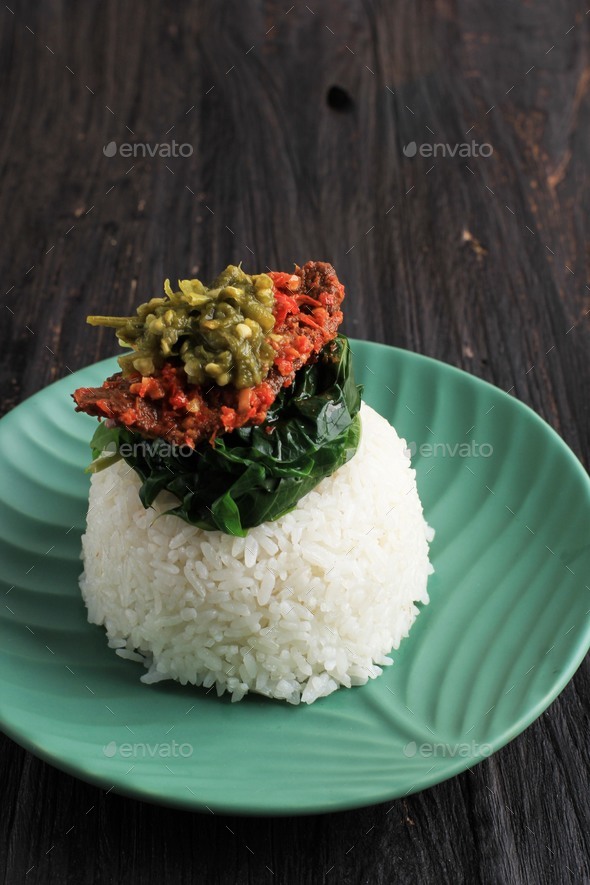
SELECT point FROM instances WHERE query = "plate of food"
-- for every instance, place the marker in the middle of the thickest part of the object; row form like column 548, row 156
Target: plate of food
column 255, row 567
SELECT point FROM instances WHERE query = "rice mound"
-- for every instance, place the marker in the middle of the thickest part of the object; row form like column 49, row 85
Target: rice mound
column 301, row 606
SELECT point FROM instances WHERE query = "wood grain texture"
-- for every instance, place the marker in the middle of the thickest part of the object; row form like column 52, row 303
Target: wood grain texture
column 482, row 262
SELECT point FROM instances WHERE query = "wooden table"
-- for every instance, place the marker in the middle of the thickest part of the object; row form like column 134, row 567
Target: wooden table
column 289, row 124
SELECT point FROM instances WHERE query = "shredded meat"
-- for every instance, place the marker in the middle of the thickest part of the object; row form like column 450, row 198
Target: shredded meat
column 307, row 315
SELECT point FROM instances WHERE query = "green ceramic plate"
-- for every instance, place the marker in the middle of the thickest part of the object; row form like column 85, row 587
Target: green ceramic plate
column 507, row 626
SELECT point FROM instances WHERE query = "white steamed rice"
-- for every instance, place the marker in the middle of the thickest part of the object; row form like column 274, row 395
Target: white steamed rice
column 301, row 606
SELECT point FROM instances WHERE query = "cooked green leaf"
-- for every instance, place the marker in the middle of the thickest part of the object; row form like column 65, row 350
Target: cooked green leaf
column 256, row 474
column 105, row 448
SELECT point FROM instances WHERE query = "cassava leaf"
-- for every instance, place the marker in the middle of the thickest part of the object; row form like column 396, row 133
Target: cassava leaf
column 104, row 445
column 255, row 474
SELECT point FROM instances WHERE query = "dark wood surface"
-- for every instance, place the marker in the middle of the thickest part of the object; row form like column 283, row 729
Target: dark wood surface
column 297, row 116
